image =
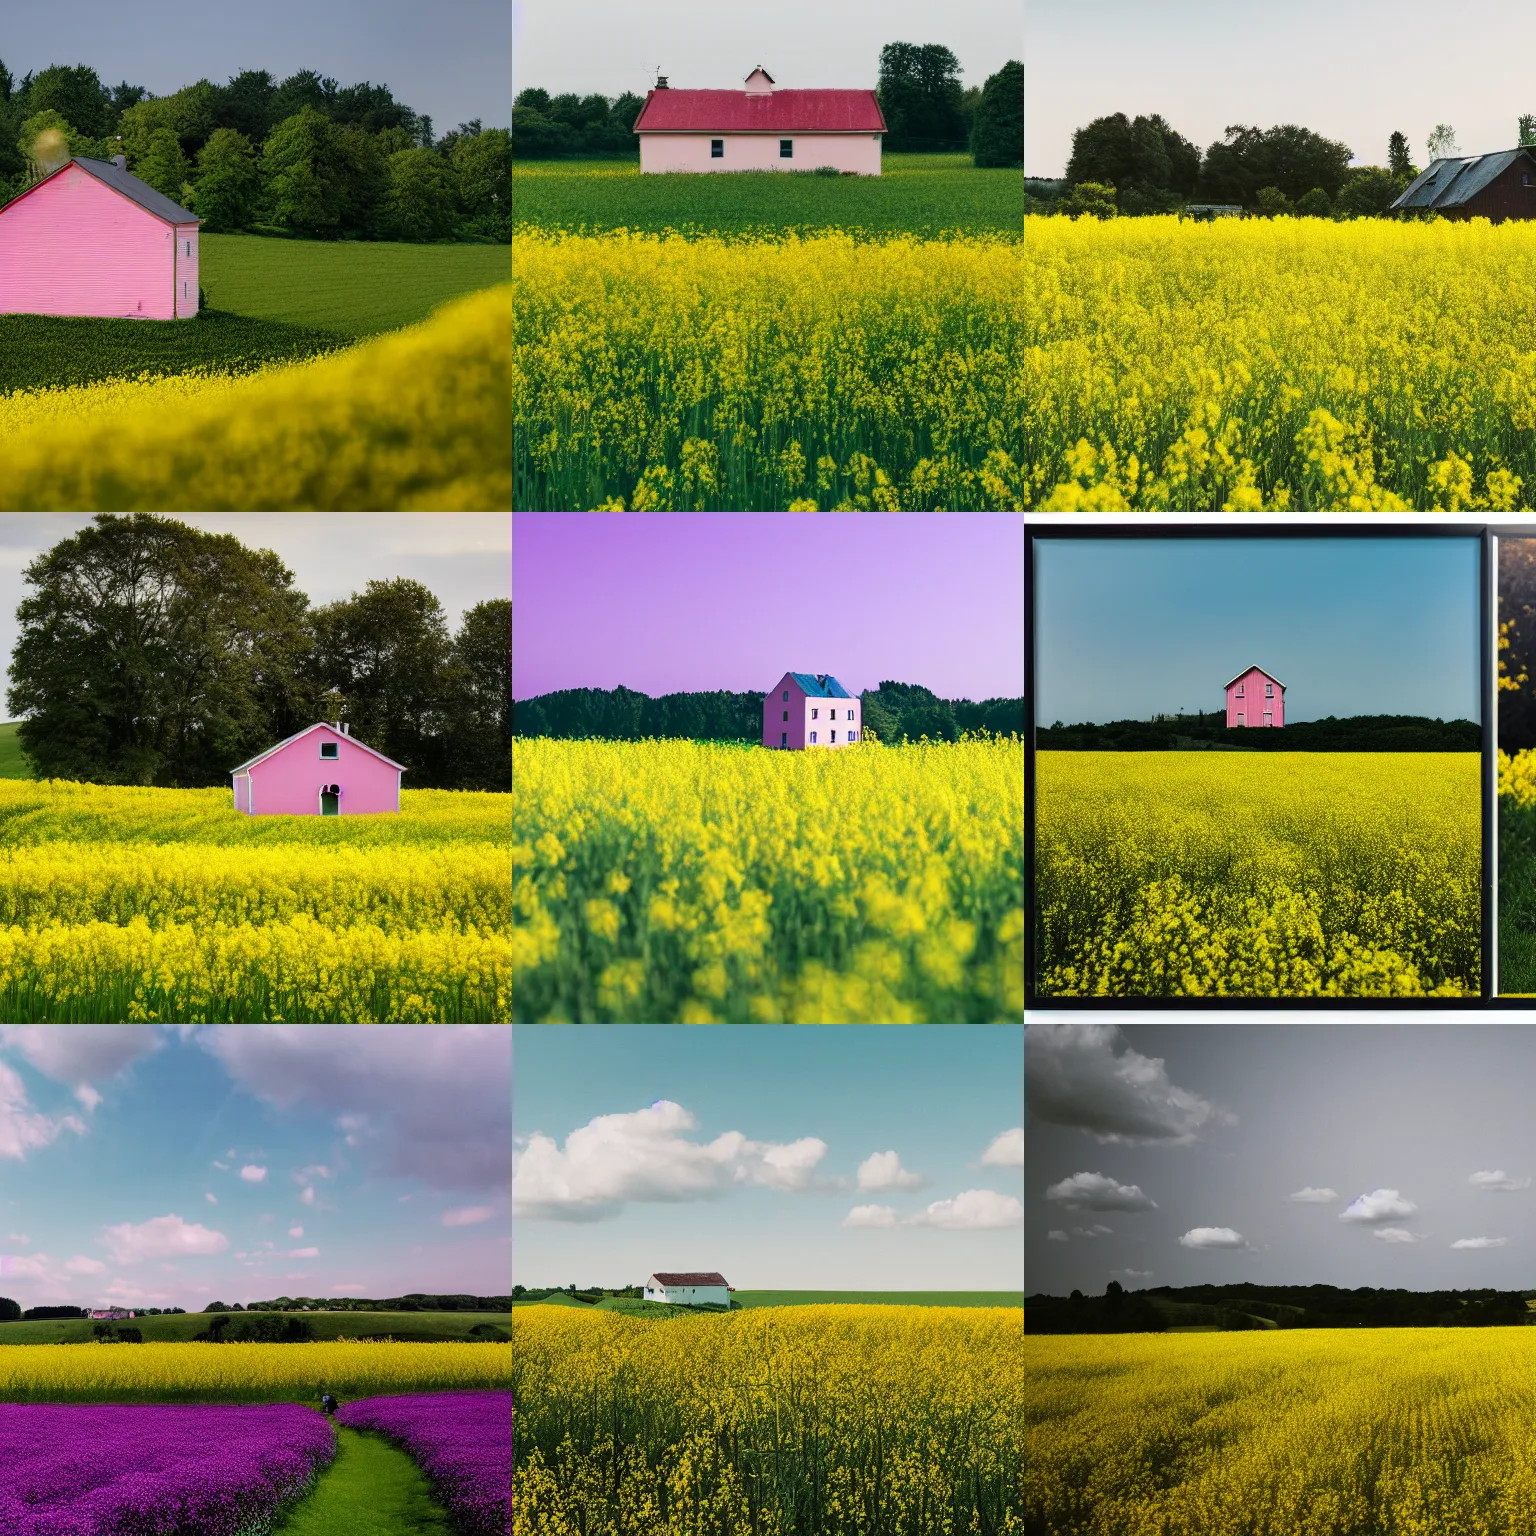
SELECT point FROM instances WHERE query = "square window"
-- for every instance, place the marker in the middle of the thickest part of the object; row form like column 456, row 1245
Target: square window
column 717, row 149
column 786, row 149
column 330, row 749
column 1240, row 717
column 1239, row 690
column 1269, row 690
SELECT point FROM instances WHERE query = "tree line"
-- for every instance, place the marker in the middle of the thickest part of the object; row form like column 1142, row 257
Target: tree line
column 1142, row 165
column 299, row 157
column 896, row 712
column 926, row 108
column 1193, row 733
column 151, row 652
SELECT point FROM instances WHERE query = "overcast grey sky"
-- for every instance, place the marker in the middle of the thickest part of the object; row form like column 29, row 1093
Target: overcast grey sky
column 464, row 557
column 1351, row 72
column 446, row 58
column 1405, row 1139
column 613, row 46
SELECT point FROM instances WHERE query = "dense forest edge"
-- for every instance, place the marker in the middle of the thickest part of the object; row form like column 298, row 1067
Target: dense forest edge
column 1210, row 733
column 896, row 712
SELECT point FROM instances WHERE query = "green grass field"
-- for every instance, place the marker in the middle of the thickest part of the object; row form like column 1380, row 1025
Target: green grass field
column 406, row 1327
column 12, row 764
column 926, row 195
column 370, row 1489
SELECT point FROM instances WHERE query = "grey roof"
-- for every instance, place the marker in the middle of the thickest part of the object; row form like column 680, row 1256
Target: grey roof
column 1260, row 670
column 139, row 191
column 690, row 1277
column 278, row 747
column 1452, row 182
column 821, row 686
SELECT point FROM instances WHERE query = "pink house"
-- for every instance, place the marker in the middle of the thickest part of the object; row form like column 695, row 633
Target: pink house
column 90, row 239
column 809, row 709
column 761, row 128
column 1255, row 697
column 322, row 771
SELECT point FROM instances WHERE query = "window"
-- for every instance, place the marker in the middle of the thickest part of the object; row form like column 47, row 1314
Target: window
column 1269, row 719
column 1526, row 179
column 1240, row 719
column 813, row 737
column 784, row 738
column 853, row 735
column 1269, row 690
column 330, row 749
column 786, row 714
column 1239, row 690
column 813, row 714
column 189, row 247
column 786, row 695
column 834, row 735
column 786, row 149
column 717, row 149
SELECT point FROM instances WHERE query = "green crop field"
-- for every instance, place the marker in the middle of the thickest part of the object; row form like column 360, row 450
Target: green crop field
column 882, row 1298
column 925, row 195
column 12, row 764
column 405, row 1327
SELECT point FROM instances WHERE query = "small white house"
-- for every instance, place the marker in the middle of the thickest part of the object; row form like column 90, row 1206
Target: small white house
column 689, row 1290
column 113, row 1314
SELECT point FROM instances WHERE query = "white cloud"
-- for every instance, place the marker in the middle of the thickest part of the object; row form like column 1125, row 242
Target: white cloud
column 1379, row 1205
column 309, row 1174
column 1214, row 1237
column 1497, row 1181
column 1056, row 1235
column 871, row 1216
column 211, row 1198
column 295, row 1231
column 1310, row 1196
column 223, row 1166
column 81, row 1265
column 1006, row 1150
column 437, row 1103
column 1137, row 1274
column 303, row 1253
column 1397, row 1235
column 1480, row 1242
column 22, row 1129
column 83, row 1052
column 1099, row 1192
column 883, row 1170
column 19, row 1237
column 973, row 1210
column 253, row 1174
column 1072, row 1076
column 87, row 1096
column 1096, row 1230
column 644, row 1155
column 163, row 1237
column 308, row 1197
column 468, row 1215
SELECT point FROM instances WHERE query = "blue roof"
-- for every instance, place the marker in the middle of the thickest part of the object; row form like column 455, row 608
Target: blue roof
column 821, row 685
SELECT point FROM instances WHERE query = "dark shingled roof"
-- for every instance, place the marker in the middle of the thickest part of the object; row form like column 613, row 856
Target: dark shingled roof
column 823, row 687
column 691, row 1279
column 1453, row 182
column 139, row 191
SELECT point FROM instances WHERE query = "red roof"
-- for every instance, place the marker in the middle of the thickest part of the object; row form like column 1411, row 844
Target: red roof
column 765, row 112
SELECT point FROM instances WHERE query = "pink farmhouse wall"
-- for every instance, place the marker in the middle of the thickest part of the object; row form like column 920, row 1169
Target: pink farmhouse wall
column 186, row 271
column 859, row 152
column 806, row 715
column 288, row 783
column 1253, row 703
column 73, row 246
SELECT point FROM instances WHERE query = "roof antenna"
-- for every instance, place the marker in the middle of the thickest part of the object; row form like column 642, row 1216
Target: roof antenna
column 661, row 79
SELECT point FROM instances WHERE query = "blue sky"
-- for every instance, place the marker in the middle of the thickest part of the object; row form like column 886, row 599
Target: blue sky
column 1350, row 72
column 448, row 59
column 1128, row 628
column 150, row 1166
column 748, row 1151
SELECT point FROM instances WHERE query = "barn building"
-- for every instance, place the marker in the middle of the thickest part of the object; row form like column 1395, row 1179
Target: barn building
column 760, row 128
column 322, row 771
column 1497, row 187
column 1255, row 697
column 91, row 239
column 809, row 709
column 689, row 1290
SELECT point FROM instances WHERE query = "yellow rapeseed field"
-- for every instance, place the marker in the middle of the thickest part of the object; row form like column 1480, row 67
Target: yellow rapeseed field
column 840, row 1420
column 205, row 1372
column 1274, row 874
column 126, row 903
column 1362, row 366
column 416, row 419
column 654, row 372
column 680, row 882
column 1312, row 1432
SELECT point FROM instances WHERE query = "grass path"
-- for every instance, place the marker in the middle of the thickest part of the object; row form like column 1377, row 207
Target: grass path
column 370, row 1489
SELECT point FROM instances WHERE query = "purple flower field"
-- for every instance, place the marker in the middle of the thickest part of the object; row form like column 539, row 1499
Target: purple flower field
column 461, row 1440
column 103, row 1469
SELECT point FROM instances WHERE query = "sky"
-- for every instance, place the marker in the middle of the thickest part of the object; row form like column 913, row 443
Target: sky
column 1352, row 73
column 1129, row 628
column 613, row 46
column 448, row 59
column 684, row 601
column 1351, row 1154
column 857, row 1157
column 143, row 1165
column 461, row 556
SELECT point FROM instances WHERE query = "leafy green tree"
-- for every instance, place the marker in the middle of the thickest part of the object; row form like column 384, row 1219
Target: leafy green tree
column 7, row 86
column 997, row 131
column 188, row 114
column 304, row 89
column 246, row 104
column 1527, row 129
column 228, row 182
column 1088, row 197
column 74, row 93
column 421, row 196
column 1151, row 164
column 1441, row 143
column 1273, row 202
column 1398, row 161
column 359, row 177
column 298, row 192
column 372, row 108
column 537, row 137
column 120, row 98
column 481, row 730
column 482, row 164
column 10, row 1312
column 164, row 166
column 919, row 92
column 1289, row 158
column 1314, row 205
column 1369, row 192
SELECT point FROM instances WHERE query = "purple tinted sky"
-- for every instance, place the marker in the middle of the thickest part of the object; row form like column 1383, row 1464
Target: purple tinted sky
column 666, row 602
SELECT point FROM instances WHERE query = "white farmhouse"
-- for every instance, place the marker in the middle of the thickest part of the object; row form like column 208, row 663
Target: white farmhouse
column 689, row 1290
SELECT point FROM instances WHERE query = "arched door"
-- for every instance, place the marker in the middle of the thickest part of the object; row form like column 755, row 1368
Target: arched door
column 330, row 800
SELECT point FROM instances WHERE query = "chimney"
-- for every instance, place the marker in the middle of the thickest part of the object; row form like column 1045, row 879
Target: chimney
column 346, row 729
column 661, row 82
column 120, row 161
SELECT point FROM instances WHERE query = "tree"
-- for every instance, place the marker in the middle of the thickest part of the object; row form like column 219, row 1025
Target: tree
column 151, row 652
column 537, row 137
column 188, row 114
column 298, row 189
column 246, row 105
column 997, row 128
column 121, row 97
column 163, row 165
column 1150, row 164
column 10, row 1312
column 1369, row 192
column 1397, row 156
column 304, row 89
column 46, row 142
column 228, row 183
column 421, row 196
column 919, row 92
column 482, row 164
column 215, row 1306
column 1441, row 143
column 481, row 729
column 359, row 178
column 1291, row 159
column 1088, row 197
column 74, row 93
column 1527, row 129
column 1314, row 205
